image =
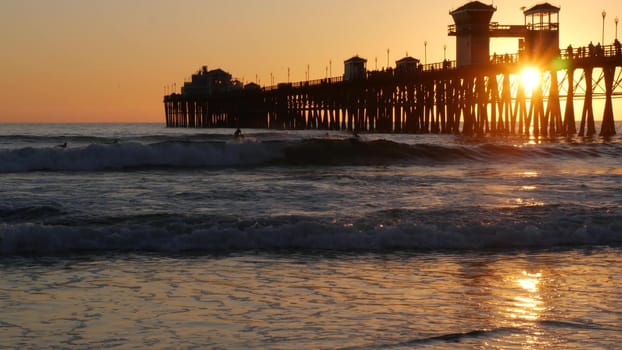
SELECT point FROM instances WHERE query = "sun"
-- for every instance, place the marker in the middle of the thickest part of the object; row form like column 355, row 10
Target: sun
column 530, row 77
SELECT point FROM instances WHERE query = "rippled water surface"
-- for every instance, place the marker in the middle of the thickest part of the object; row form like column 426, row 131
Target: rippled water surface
column 569, row 299
column 137, row 236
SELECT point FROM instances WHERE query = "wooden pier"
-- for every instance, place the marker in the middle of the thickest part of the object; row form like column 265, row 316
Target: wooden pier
column 484, row 97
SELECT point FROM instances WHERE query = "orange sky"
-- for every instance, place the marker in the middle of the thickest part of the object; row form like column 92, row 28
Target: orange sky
column 110, row 60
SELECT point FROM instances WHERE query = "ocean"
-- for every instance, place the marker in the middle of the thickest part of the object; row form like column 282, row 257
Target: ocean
column 137, row 236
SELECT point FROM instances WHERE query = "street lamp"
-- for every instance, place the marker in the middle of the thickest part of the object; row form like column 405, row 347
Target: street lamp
column 602, row 42
column 387, row 58
column 425, row 52
column 444, row 52
column 615, row 20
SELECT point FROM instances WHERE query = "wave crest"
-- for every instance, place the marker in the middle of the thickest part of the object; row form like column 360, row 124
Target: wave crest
column 427, row 230
column 193, row 154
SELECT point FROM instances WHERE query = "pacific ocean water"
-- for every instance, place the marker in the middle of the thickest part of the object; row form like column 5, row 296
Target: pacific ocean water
column 139, row 236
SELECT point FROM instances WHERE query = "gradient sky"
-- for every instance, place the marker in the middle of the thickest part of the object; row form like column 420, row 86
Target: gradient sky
column 110, row 60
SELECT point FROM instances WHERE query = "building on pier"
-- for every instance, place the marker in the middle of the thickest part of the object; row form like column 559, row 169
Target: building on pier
column 206, row 83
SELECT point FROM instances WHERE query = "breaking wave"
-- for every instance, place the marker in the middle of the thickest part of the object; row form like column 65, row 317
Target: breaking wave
column 204, row 154
column 45, row 231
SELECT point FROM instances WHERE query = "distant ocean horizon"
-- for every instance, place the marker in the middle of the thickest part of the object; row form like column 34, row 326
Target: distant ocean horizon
column 134, row 235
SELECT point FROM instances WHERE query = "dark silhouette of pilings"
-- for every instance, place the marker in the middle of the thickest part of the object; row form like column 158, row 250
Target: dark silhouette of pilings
column 436, row 98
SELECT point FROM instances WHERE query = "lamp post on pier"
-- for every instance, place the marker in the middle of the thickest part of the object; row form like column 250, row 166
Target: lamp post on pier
column 444, row 52
column 615, row 20
column 388, row 58
column 602, row 41
column 425, row 52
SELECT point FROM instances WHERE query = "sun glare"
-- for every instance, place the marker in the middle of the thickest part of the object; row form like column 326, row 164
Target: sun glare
column 530, row 78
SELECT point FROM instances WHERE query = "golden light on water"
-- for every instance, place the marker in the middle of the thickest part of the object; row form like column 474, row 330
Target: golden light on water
column 525, row 199
column 527, row 304
column 528, row 202
column 529, row 174
column 529, row 282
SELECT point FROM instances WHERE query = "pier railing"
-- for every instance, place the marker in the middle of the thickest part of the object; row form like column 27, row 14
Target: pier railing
column 495, row 59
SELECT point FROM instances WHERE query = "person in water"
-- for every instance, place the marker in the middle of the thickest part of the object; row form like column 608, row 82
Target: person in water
column 238, row 133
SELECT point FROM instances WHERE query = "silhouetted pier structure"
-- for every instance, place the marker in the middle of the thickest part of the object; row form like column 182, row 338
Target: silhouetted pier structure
column 478, row 93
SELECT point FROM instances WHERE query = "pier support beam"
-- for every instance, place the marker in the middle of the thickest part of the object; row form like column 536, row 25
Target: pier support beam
column 570, row 127
column 520, row 111
column 587, row 116
column 608, row 127
column 553, row 109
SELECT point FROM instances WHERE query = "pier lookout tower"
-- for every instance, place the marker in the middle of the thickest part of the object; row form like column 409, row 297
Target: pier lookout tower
column 538, row 36
column 472, row 32
column 541, row 43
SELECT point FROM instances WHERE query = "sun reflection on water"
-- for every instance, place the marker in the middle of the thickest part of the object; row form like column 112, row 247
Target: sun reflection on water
column 529, row 174
column 527, row 305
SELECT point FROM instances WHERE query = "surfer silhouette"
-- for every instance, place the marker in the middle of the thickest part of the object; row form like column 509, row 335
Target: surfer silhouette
column 63, row 145
column 238, row 133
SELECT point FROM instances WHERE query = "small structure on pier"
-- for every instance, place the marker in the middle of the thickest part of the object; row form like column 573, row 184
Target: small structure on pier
column 407, row 64
column 355, row 68
column 252, row 87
